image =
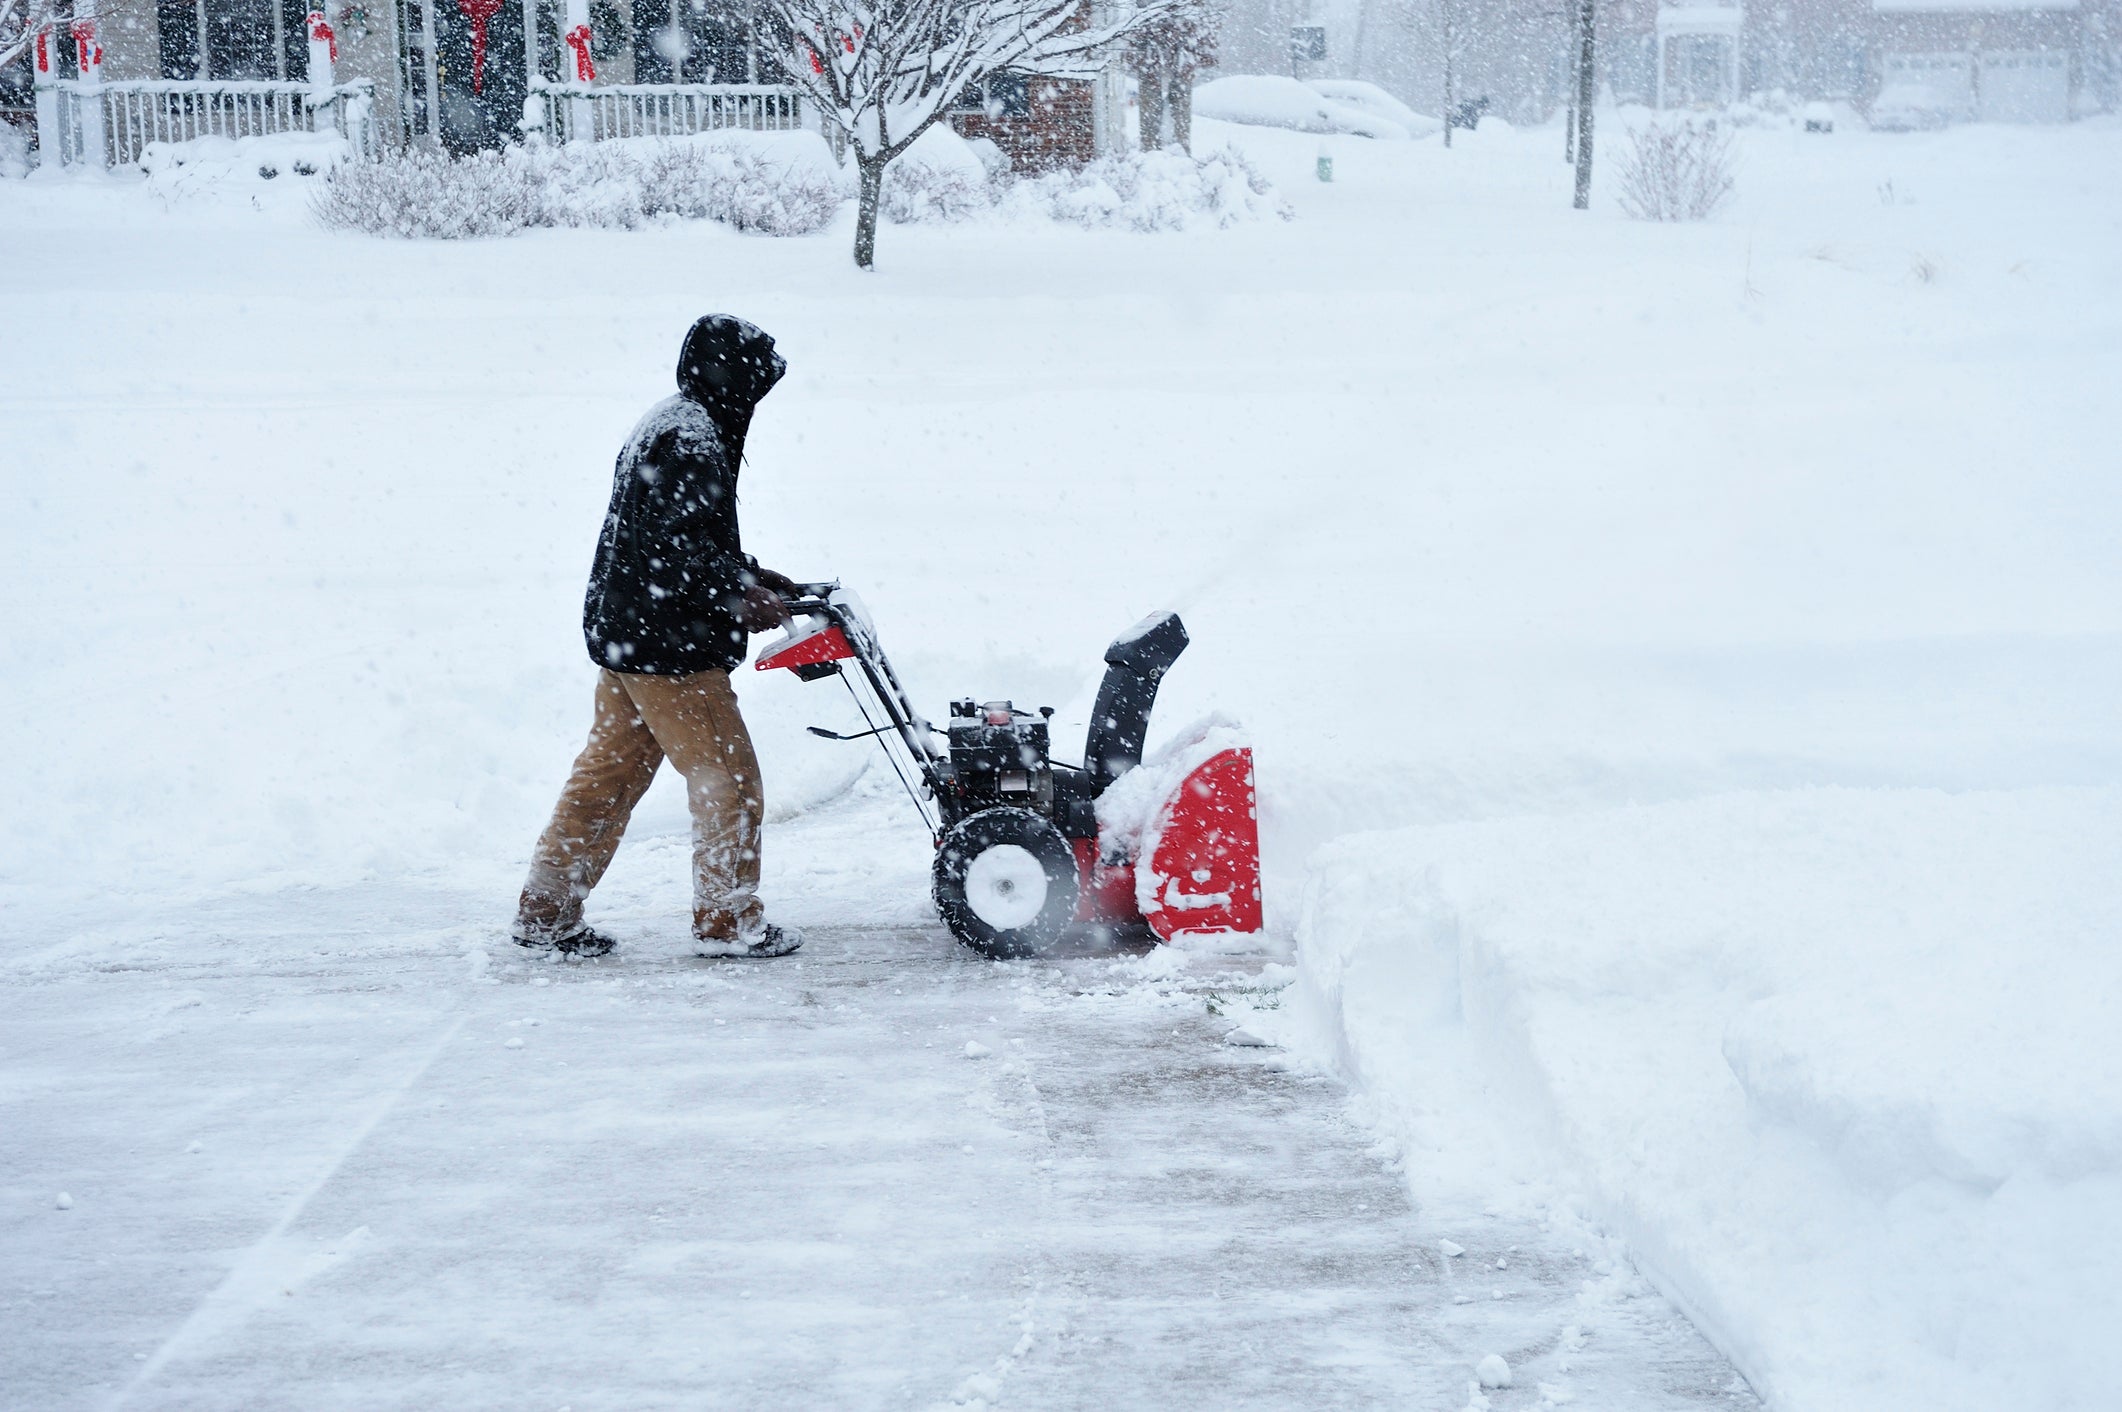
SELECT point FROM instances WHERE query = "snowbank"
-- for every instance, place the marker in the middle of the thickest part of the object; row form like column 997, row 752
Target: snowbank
column 1267, row 100
column 1839, row 1063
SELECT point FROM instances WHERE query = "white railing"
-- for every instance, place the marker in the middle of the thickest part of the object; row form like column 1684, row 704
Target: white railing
column 597, row 114
column 134, row 113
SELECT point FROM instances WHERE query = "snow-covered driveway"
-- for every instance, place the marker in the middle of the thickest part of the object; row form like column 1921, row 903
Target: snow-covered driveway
column 351, row 1149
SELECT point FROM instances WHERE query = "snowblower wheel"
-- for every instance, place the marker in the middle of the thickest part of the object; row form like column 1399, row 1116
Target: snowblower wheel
column 1005, row 882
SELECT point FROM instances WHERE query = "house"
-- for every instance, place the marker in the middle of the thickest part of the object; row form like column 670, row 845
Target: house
column 1908, row 61
column 2011, row 61
column 467, row 74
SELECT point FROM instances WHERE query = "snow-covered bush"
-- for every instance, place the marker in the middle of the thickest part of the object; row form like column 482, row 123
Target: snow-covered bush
column 1675, row 171
column 14, row 151
column 420, row 194
column 1152, row 191
column 940, row 178
column 613, row 186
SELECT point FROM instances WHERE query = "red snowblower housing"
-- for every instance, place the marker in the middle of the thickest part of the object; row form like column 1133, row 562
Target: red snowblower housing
column 1027, row 845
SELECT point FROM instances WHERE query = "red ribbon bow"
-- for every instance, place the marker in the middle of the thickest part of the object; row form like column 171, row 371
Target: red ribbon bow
column 44, row 51
column 578, row 40
column 318, row 29
column 479, row 12
column 86, row 49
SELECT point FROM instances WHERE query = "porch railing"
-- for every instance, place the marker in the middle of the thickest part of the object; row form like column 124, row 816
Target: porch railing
column 662, row 110
column 111, row 124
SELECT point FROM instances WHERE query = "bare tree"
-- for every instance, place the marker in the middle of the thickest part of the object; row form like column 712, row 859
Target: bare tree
column 882, row 71
column 20, row 22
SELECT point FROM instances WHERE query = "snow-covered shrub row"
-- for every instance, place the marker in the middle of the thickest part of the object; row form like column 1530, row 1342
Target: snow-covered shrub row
column 943, row 178
column 780, row 190
column 1676, row 170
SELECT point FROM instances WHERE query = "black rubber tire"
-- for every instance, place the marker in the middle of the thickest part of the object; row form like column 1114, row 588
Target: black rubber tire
column 977, row 834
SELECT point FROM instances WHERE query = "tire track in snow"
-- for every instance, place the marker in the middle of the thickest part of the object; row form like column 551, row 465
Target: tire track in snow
column 274, row 1262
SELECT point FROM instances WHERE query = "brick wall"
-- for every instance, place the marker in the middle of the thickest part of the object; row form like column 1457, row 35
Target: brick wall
column 1058, row 132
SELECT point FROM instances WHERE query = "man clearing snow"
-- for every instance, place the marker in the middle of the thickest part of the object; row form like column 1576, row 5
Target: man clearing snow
column 671, row 598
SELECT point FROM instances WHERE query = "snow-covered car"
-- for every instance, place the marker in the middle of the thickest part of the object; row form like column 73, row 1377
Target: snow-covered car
column 1369, row 98
column 1909, row 107
column 1269, row 100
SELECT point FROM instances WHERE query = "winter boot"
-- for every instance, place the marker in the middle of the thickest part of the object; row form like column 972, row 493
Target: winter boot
column 760, row 940
column 583, row 940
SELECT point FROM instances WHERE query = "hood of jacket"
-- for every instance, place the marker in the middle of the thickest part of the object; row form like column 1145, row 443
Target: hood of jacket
column 727, row 365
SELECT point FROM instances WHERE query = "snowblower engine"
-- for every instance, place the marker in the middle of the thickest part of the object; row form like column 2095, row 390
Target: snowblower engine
column 1022, row 852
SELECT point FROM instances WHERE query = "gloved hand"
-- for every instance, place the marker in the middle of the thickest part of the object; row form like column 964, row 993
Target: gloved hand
column 779, row 583
column 762, row 610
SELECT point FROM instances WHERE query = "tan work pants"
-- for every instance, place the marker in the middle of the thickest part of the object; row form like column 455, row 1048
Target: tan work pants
column 639, row 720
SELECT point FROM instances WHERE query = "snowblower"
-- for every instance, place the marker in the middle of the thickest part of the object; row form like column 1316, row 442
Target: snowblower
column 1027, row 845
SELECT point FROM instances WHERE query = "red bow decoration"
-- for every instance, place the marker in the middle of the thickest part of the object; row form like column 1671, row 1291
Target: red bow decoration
column 578, row 40
column 86, row 49
column 44, row 52
column 318, row 29
column 479, row 12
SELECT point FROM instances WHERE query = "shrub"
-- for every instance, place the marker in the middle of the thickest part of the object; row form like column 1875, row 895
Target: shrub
column 613, row 186
column 422, row 194
column 1675, row 171
column 917, row 193
column 1153, row 191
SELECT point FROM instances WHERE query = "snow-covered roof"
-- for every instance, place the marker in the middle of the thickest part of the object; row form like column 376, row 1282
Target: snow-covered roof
column 1967, row 7
column 1700, row 19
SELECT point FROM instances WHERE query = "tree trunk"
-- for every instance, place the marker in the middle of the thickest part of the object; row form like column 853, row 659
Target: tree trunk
column 1445, row 9
column 872, row 171
column 1586, row 86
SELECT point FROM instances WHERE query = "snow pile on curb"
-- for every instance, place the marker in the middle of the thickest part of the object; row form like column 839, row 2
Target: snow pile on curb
column 1269, row 100
column 1840, row 1064
column 782, row 183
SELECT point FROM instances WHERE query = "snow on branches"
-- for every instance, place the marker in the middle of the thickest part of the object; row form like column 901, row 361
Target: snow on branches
column 883, row 71
column 20, row 23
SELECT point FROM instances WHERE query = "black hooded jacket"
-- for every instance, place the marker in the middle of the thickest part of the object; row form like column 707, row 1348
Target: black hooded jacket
column 671, row 570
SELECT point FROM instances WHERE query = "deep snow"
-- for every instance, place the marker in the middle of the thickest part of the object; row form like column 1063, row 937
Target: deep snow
column 1839, row 1063
column 1477, row 509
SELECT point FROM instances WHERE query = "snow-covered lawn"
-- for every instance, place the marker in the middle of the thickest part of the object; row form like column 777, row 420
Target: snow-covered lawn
column 1488, row 518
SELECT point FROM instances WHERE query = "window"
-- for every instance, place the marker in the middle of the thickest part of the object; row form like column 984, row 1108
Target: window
column 177, row 28
column 1003, row 95
column 244, row 39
